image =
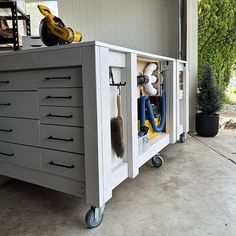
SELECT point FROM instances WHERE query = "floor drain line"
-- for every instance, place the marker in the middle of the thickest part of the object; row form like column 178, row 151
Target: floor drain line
column 234, row 162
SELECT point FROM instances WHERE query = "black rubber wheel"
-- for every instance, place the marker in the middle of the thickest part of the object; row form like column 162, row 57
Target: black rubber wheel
column 157, row 161
column 90, row 220
column 182, row 138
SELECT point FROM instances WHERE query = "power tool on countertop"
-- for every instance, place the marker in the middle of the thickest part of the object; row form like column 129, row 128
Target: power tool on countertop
column 53, row 31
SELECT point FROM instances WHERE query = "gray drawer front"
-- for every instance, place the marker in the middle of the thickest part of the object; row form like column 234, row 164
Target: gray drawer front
column 62, row 138
column 55, row 182
column 61, row 97
column 63, row 164
column 65, row 77
column 20, row 131
column 18, row 81
column 20, row 155
column 62, row 116
column 19, row 104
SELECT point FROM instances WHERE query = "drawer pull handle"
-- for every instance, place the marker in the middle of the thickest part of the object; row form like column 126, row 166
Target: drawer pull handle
column 5, row 104
column 59, row 116
column 55, row 164
column 7, row 154
column 36, row 46
column 55, row 97
column 6, row 130
column 5, row 82
column 61, row 139
column 54, row 78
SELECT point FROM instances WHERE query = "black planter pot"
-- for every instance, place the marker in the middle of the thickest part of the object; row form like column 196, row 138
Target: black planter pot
column 207, row 125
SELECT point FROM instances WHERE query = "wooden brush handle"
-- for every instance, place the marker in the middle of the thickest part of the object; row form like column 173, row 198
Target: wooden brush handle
column 119, row 105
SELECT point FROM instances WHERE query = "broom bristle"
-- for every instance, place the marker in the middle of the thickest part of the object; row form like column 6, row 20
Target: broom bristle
column 117, row 136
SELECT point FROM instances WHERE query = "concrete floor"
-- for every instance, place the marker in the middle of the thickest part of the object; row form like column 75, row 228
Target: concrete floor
column 224, row 144
column 194, row 194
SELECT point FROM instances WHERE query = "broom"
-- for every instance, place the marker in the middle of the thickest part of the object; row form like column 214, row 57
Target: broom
column 117, row 134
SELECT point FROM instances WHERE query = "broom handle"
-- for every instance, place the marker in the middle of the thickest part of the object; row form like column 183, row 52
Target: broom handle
column 119, row 105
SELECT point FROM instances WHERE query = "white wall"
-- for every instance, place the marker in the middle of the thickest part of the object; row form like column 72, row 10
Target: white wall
column 192, row 56
column 145, row 25
column 35, row 14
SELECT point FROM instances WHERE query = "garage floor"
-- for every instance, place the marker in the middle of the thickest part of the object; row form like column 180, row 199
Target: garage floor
column 194, row 194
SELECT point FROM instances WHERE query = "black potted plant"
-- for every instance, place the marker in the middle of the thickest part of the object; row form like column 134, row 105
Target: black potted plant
column 209, row 101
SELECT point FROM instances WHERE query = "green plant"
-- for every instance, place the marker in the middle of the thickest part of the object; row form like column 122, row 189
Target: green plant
column 228, row 100
column 210, row 98
column 217, row 38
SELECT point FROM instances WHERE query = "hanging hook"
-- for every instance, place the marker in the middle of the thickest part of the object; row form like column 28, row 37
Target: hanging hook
column 112, row 79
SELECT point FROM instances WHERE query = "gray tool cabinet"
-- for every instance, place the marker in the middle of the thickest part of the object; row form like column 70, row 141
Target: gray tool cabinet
column 56, row 105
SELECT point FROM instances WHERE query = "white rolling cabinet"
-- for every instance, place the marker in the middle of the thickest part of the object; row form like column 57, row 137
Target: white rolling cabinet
column 182, row 89
column 66, row 145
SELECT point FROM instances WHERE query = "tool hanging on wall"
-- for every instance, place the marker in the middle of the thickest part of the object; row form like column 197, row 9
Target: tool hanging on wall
column 117, row 129
column 151, row 108
column 53, row 31
column 117, row 133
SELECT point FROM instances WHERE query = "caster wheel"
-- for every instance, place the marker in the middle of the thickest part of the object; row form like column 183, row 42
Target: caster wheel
column 182, row 138
column 90, row 219
column 157, row 161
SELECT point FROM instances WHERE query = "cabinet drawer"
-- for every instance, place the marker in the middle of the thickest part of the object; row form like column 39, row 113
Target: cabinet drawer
column 65, row 77
column 20, row 155
column 20, row 131
column 63, row 164
column 19, row 104
column 62, row 138
column 62, row 116
column 18, row 81
column 61, row 97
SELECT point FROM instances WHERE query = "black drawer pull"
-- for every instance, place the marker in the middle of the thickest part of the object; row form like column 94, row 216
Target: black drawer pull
column 55, row 164
column 55, row 97
column 5, row 82
column 6, row 130
column 62, row 77
column 36, row 46
column 7, row 154
column 5, row 104
column 59, row 116
column 61, row 139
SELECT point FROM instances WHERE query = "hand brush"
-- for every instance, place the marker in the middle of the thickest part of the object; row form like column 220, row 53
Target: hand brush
column 117, row 133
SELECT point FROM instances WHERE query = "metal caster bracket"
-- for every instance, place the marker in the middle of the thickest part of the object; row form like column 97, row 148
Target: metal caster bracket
column 99, row 212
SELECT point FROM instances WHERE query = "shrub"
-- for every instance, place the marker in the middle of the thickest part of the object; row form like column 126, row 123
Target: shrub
column 210, row 98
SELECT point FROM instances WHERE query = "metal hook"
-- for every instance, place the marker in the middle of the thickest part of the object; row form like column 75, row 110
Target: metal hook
column 112, row 79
